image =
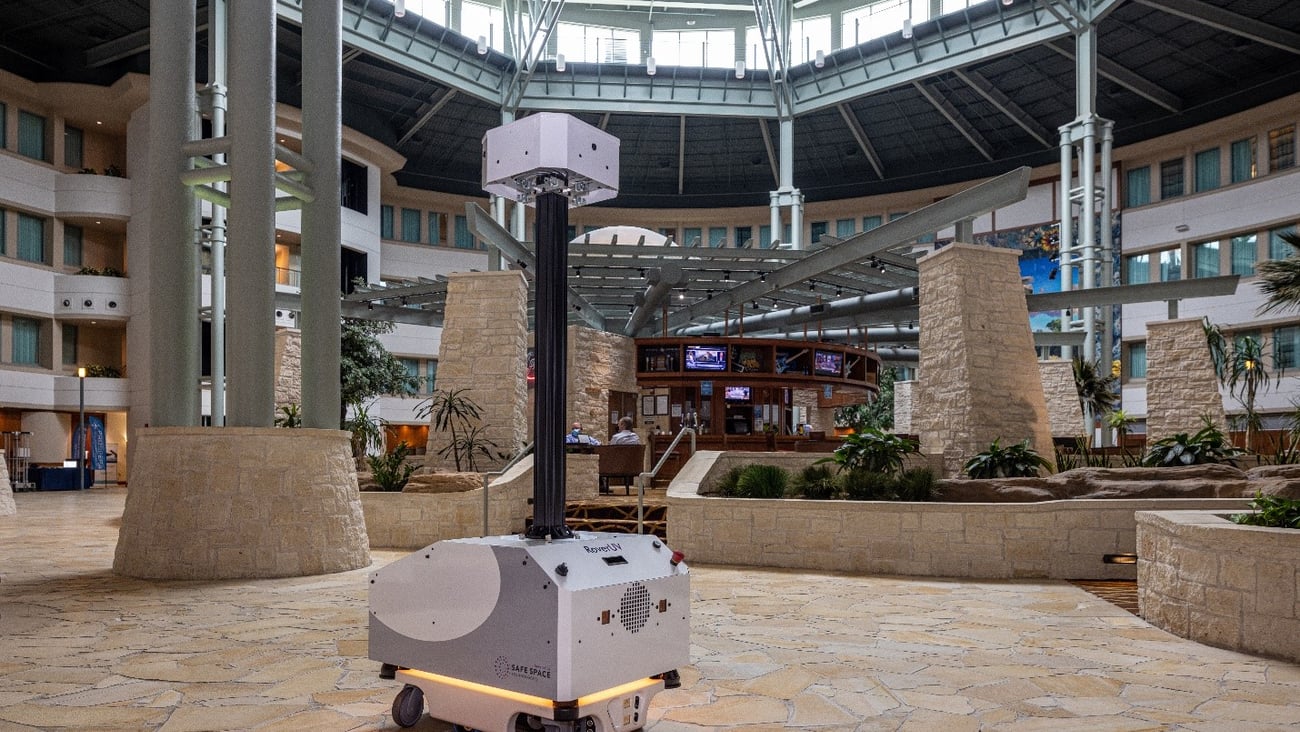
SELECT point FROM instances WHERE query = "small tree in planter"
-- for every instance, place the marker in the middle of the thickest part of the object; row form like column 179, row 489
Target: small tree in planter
column 1209, row 446
column 456, row 412
column 1017, row 461
column 391, row 471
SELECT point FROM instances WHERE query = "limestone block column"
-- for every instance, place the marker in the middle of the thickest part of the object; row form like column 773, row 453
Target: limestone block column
column 1063, row 410
column 979, row 376
column 904, row 407
column 241, row 502
column 288, row 367
column 598, row 363
column 484, row 351
column 1181, row 385
column 7, row 505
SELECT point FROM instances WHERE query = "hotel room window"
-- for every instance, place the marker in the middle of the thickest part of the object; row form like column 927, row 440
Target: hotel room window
column 1244, row 251
column 1137, row 186
column 411, row 225
column 1171, row 179
column 1207, row 170
column 1205, row 259
column 1281, row 148
column 1243, row 160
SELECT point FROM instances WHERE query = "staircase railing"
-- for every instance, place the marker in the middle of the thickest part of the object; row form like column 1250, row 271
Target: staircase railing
column 652, row 472
column 520, row 454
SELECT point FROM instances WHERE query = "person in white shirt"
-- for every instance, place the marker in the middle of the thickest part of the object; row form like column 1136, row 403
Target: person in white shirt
column 625, row 435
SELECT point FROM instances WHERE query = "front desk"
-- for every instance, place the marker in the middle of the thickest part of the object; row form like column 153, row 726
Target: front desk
column 59, row 479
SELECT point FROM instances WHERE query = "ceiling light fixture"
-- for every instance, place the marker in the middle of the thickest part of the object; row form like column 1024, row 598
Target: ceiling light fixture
column 482, row 45
column 740, row 69
column 399, row 8
column 907, row 27
column 820, row 59
column 1008, row 2
column 650, row 66
column 559, row 62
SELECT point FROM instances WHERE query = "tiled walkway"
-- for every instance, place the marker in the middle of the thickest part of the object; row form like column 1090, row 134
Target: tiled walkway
column 82, row 649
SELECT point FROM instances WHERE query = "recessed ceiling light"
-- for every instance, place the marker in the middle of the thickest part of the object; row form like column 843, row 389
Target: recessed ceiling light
column 99, row 222
column 99, row 122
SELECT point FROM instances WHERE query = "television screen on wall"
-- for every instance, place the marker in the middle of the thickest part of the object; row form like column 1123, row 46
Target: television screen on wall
column 706, row 358
column 736, row 393
column 828, row 363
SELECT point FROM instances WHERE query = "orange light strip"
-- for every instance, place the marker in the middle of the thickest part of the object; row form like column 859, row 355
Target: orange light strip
column 537, row 701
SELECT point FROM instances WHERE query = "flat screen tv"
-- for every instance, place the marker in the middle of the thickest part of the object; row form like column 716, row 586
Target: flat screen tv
column 736, row 393
column 828, row 363
column 706, row 358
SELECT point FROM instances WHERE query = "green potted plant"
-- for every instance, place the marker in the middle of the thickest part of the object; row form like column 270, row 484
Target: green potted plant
column 1016, row 461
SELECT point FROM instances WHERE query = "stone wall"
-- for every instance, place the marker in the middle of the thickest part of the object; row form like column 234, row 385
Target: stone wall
column 1063, row 410
column 822, row 419
column 7, row 505
column 979, row 380
column 1181, row 385
column 1048, row 539
column 484, row 351
column 597, row 363
column 288, row 366
column 240, row 502
column 904, row 405
column 1203, row 577
column 415, row 520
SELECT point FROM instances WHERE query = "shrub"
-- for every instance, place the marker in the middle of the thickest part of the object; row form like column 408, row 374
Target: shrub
column 1017, row 461
column 866, row 485
column 1272, row 511
column 873, row 449
column 726, row 485
column 917, row 484
column 1208, row 446
column 815, row 482
column 762, row 481
column 391, row 471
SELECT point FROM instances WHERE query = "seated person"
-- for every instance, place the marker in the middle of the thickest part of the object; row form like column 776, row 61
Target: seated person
column 625, row 435
column 577, row 437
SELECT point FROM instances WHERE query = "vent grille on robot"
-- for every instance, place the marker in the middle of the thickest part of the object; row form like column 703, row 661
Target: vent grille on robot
column 634, row 608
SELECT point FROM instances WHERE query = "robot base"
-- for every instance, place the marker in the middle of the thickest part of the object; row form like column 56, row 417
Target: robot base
column 469, row 705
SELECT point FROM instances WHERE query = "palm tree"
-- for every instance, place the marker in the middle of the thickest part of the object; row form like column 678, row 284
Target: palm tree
column 1245, row 375
column 1280, row 278
column 1096, row 387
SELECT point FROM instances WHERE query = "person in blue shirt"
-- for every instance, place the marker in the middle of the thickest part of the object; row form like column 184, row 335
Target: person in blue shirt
column 577, row 437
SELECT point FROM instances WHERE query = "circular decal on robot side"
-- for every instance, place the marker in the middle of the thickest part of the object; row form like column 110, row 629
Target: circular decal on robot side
column 440, row 593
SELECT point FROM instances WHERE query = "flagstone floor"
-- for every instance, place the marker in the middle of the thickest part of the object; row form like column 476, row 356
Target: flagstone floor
column 83, row 649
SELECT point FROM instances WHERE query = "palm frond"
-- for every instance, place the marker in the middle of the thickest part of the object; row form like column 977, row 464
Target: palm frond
column 1280, row 279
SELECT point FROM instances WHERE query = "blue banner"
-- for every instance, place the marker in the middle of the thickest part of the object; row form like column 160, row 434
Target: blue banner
column 98, row 447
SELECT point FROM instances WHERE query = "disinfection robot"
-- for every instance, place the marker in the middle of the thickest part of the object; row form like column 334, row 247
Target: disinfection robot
column 552, row 630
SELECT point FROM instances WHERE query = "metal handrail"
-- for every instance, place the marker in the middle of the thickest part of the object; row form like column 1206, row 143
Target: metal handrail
column 641, row 479
column 520, row 454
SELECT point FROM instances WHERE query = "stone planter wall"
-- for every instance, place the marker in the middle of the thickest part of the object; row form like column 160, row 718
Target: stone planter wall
column 1205, row 578
column 1063, row 539
column 7, row 505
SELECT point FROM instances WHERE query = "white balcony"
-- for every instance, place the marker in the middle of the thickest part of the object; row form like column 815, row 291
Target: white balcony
column 102, row 196
column 42, row 390
column 91, row 298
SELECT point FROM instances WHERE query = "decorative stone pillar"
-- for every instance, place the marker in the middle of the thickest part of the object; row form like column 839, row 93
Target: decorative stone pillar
column 1064, row 413
column 1181, row 385
column 598, row 363
column 903, row 407
column 484, row 351
column 288, row 367
column 239, row 503
column 979, row 378
column 7, row 505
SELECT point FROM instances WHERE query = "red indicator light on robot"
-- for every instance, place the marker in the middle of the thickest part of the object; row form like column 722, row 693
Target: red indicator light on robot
column 676, row 558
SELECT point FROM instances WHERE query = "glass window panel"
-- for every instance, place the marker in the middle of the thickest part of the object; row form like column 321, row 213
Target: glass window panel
column 1278, row 249
column 1207, row 170
column 765, row 237
column 1171, row 179
column 1286, row 347
column 411, row 225
column 1137, row 186
column 1205, row 259
column 1137, row 360
column 352, row 186
column 435, row 228
column 1171, row 265
column 1138, row 268
column 71, row 245
column 483, row 20
column 1281, row 148
column 4, row 125
column 385, row 222
column 844, row 228
column 31, row 238
column 4, row 224
column 744, row 236
column 692, row 236
column 874, row 20
column 717, row 236
column 31, row 135
column 810, row 35
column 1243, row 160
column 708, row 48
column 870, row 222
column 1244, row 251
column 26, row 341
column 69, row 345
column 73, row 142
column 430, row 376
column 816, row 230
column 464, row 239
column 598, row 44
column 755, row 56
column 412, row 367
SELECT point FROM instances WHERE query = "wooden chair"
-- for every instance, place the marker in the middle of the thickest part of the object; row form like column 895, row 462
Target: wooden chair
column 620, row 461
